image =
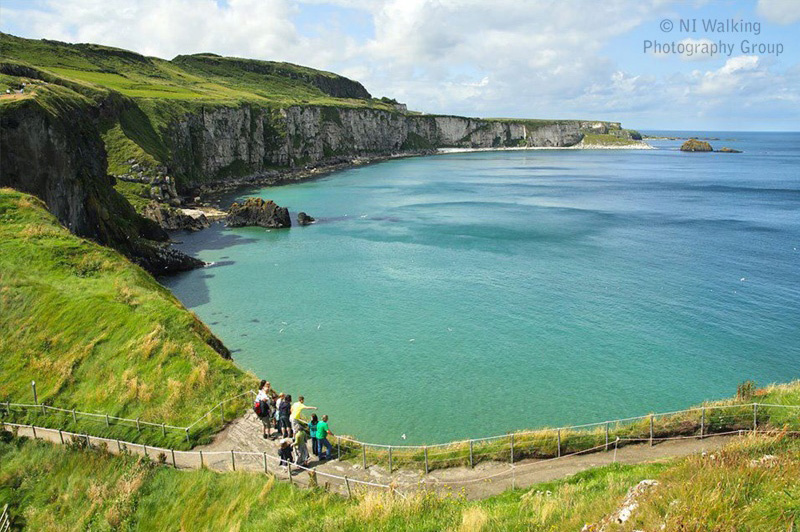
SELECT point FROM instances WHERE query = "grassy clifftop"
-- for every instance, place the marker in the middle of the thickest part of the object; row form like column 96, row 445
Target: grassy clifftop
column 96, row 332
column 203, row 77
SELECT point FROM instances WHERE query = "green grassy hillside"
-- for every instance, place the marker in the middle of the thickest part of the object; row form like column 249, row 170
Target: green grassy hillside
column 749, row 485
column 97, row 333
column 203, row 78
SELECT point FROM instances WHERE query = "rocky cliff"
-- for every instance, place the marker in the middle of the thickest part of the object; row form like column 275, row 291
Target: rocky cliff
column 223, row 142
column 50, row 147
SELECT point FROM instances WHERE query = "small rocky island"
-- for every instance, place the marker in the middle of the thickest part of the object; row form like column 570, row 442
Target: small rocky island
column 256, row 211
column 703, row 146
column 696, row 145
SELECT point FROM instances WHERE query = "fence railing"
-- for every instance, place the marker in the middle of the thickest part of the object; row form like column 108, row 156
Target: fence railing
column 5, row 520
column 232, row 460
column 108, row 420
column 547, row 443
column 512, row 447
column 310, row 477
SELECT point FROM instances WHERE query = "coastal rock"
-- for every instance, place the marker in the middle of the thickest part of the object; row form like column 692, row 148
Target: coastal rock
column 696, row 145
column 172, row 219
column 256, row 211
column 304, row 219
column 728, row 150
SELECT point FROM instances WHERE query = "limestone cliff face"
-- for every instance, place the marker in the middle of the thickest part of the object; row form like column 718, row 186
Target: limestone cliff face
column 225, row 142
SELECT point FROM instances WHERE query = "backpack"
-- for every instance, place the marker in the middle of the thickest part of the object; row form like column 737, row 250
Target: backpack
column 261, row 408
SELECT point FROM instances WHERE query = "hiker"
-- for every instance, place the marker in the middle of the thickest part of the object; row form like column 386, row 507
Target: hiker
column 312, row 430
column 262, row 408
column 285, row 451
column 272, row 394
column 284, row 413
column 322, row 438
column 296, row 415
column 300, row 439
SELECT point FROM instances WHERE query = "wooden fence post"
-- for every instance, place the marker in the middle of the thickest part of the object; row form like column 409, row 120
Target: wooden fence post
column 233, row 460
column 172, row 452
column 289, row 469
column 61, row 436
column 471, row 460
column 347, row 483
column 755, row 417
column 338, row 448
column 651, row 430
column 202, row 464
column 163, row 430
column 364, row 456
column 119, row 447
column 187, row 436
column 222, row 414
column 74, row 417
column 266, row 470
column 559, row 443
column 425, row 450
column 138, row 426
column 108, row 423
column 512, row 449
column 390, row 459
column 35, row 399
column 702, row 422
column 606, row 449
column 145, row 450
column 33, row 428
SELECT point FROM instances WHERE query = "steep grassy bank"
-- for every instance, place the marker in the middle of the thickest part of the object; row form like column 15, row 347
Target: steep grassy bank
column 97, row 333
column 749, row 485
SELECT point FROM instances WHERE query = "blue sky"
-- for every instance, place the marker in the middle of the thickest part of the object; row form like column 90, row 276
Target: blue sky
column 511, row 58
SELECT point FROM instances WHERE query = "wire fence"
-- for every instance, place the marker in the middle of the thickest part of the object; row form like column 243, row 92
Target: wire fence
column 5, row 520
column 235, row 406
column 232, row 460
column 548, row 443
column 512, row 448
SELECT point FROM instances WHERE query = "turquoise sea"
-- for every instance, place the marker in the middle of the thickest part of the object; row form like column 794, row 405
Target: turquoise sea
column 471, row 294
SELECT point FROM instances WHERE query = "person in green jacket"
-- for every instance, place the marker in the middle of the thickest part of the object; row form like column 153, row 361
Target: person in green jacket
column 322, row 438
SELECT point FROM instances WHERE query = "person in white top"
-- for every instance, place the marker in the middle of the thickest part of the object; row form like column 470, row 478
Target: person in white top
column 264, row 402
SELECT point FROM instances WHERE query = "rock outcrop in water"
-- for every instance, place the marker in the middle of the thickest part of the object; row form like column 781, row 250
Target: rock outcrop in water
column 256, row 211
column 728, row 150
column 304, row 219
column 175, row 219
column 696, row 145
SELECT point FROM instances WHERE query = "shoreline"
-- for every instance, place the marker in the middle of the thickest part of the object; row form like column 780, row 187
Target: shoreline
column 211, row 191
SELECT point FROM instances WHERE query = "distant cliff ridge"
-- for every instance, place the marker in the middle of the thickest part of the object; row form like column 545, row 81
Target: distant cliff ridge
column 235, row 141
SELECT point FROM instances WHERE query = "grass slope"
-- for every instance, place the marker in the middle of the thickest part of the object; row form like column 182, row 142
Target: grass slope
column 97, row 333
column 203, row 78
column 50, row 487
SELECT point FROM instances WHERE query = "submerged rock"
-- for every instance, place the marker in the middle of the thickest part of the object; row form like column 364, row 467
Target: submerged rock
column 728, row 150
column 304, row 219
column 256, row 211
column 696, row 145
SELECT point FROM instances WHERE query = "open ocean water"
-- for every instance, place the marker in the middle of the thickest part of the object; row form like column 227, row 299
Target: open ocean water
column 467, row 295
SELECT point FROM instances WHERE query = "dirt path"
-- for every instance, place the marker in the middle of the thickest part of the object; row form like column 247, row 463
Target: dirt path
column 253, row 453
column 245, row 434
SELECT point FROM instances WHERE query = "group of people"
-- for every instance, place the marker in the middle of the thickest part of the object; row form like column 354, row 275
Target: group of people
column 291, row 426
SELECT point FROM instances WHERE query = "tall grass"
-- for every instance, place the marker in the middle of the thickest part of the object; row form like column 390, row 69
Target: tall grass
column 97, row 333
column 66, row 487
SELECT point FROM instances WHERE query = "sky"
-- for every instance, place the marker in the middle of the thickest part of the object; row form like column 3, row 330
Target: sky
column 501, row 58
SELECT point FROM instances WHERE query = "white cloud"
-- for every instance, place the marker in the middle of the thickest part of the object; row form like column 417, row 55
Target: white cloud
column 779, row 11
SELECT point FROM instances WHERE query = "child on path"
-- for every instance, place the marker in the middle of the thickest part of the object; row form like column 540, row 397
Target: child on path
column 285, row 451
